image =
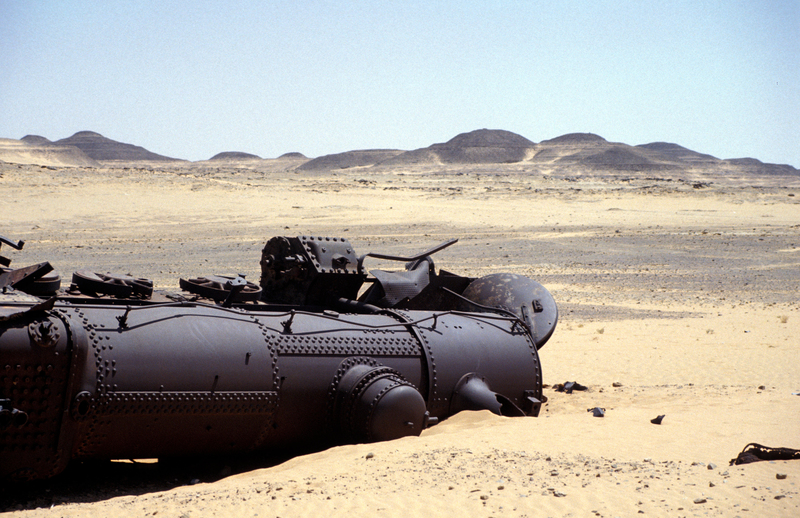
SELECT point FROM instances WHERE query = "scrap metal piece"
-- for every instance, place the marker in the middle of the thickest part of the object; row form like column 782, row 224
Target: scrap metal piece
column 387, row 257
column 222, row 288
column 46, row 285
column 17, row 245
column 116, row 284
column 18, row 276
column 309, row 270
column 5, row 261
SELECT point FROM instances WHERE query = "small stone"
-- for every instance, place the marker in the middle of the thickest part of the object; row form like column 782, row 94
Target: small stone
column 501, row 487
column 711, row 484
column 370, row 455
column 711, row 465
column 778, row 497
column 597, row 411
column 484, row 497
column 616, row 384
column 559, row 494
column 762, row 387
column 700, row 500
column 780, row 476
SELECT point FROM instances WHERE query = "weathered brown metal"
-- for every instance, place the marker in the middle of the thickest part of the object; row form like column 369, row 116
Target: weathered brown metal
column 96, row 377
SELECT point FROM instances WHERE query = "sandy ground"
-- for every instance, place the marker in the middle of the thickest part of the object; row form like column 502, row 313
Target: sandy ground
column 677, row 298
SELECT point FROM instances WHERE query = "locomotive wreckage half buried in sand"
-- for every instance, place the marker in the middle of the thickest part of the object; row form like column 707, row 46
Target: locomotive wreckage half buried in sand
column 110, row 369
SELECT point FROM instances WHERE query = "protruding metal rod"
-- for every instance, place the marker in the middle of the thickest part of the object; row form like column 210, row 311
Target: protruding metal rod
column 417, row 257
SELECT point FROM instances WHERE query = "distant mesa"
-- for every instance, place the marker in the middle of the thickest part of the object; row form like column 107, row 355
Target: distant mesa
column 676, row 152
column 570, row 148
column 753, row 165
column 36, row 140
column 234, row 155
column 483, row 146
column 348, row 159
column 486, row 138
column 744, row 161
column 293, row 154
column 33, row 149
column 617, row 157
column 576, row 138
column 98, row 147
column 593, row 152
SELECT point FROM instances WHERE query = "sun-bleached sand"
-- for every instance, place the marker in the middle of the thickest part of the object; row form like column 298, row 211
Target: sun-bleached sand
column 676, row 299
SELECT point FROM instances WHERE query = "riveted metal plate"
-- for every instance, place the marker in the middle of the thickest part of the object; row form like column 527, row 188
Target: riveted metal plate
column 333, row 345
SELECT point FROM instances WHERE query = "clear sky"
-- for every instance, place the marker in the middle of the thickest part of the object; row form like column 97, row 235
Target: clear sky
column 191, row 79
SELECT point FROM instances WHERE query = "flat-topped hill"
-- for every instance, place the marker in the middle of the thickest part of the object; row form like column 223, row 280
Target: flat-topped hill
column 234, row 155
column 40, row 151
column 358, row 158
column 98, row 147
column 483, row 146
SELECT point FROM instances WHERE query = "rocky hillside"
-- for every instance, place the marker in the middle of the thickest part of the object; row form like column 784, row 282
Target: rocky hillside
column 98, row 147
column 359, row 158
column 234, row 155
column 33, row 149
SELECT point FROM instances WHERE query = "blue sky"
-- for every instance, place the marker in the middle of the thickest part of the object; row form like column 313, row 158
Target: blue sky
column 191, row 79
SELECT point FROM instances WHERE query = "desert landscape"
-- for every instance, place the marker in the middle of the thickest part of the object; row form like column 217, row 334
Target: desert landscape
column 676, row 275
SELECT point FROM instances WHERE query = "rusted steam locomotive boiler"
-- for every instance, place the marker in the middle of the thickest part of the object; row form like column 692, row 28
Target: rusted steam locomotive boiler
column 319, row 353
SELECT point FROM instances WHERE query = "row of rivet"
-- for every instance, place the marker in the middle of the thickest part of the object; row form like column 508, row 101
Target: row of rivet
column 29, row 368
column 187, row 403
column 348, row 339
column 432, row 389
column 265, row 430
column 348, row 350
column 341, row 371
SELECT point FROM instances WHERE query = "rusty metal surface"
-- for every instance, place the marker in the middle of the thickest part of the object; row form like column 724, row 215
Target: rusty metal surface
column 100, row 374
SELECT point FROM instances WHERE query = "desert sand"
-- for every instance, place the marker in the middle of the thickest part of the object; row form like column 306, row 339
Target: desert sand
column 678, row 296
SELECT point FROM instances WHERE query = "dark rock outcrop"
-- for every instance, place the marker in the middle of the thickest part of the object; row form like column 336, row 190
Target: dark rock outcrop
column 234, row 155
column 360, row 158
column 483, row 146
column 99, row 147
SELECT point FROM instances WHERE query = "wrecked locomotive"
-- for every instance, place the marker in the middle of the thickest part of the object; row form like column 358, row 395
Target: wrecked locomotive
column 319, row 353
